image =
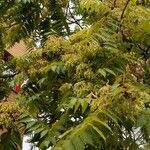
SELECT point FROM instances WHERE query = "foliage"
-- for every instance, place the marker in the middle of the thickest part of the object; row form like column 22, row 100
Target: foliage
column 9, row 112
column 4, row 87
column 88, row 89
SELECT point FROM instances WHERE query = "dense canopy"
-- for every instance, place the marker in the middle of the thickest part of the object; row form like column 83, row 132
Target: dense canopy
column 85, row 80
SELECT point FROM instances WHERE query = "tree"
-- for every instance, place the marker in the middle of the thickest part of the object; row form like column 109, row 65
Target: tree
column 86, row 89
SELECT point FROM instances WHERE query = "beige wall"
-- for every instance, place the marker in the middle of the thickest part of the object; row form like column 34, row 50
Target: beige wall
column 19, row 49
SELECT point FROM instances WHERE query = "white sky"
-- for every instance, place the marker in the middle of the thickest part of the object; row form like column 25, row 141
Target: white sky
column 26, row 145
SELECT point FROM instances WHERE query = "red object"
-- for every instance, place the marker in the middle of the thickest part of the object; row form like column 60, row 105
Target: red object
column 17, row 88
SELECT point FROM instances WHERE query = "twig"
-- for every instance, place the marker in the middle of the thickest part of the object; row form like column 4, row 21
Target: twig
column 75, row 20
column 122, row 16
column 123, row 12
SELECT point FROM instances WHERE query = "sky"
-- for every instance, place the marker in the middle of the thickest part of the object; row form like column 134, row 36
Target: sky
column 26, row 145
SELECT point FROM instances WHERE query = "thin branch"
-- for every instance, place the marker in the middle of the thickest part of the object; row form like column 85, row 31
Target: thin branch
column 122, row 16
column 123, row 12
column 72, row 16
column 145, row 50
column 65, row 22
column 75, row 22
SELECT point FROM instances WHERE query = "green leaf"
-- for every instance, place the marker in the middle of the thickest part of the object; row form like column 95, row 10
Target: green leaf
column 24, row 118
column 72, row 102
column 84, row 105
column 31, row 124
column 68, row 145
column 87, row 137
column 79, row 145
column 102, row 72
column 39, row 130
column 112, row 116
column 44, row 133
column 110, row 71
column 102, row 123
column 98, row 131
column 47, row 142
column 34, row 128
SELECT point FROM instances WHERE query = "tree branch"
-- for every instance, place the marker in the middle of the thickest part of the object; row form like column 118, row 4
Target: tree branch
column 123, row 12
column 72, row 16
